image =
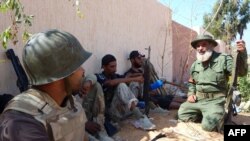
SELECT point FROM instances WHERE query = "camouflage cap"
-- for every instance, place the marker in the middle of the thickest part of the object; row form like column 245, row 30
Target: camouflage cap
column 203, row 38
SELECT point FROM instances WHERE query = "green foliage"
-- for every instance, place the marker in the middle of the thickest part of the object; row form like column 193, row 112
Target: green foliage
column 244, row 87
column 18, row 18
column 231, row 18
column 6, row 36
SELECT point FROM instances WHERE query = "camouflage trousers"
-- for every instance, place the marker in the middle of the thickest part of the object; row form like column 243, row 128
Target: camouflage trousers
column 93, row 102
column 137, row 89
column 121, row 102
column 94, row 106
column 162, row 101
column 208, row 109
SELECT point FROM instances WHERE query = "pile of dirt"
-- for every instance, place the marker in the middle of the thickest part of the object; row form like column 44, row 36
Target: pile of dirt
column 168, row 128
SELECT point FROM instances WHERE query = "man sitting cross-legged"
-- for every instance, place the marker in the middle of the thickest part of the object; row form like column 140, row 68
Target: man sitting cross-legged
column 158, row 102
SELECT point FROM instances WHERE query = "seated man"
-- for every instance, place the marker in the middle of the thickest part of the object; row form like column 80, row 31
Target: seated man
column 157, row 101
column 94, row 107
column 119, row 100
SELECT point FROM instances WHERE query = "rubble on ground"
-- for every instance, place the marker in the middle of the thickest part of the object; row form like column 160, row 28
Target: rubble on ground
column 168, row 128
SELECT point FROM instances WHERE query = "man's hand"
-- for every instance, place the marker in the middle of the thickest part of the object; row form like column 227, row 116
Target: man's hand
column 92, row 127
column 191, row 98
column 134, row 74
column 240, row 44
column 139, row 79
column 153, row 92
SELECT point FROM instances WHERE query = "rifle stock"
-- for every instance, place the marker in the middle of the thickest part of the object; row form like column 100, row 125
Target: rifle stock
column 22, row 80
column 229, row 110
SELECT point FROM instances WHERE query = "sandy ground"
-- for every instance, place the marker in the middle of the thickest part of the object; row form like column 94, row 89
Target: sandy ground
column 242, row 119
column 174, row 131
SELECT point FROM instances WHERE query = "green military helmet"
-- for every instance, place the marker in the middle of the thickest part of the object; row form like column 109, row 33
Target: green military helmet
column 202, row 38
column 52, row 55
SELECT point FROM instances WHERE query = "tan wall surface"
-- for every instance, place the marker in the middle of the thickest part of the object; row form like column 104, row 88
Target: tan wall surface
column 110, row 26
column 184, row 55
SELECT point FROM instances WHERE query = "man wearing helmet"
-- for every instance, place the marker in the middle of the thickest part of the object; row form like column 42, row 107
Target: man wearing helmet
column 208, row 82
column 47, row 111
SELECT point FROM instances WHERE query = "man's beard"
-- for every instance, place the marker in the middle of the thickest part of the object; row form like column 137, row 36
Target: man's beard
column 137, row 65
column 204, row 57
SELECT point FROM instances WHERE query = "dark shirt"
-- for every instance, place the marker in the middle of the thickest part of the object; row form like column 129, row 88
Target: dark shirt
column 18, row 126
column 4, row 99
column 107, row 90
column 102, row 78
column 133, row 71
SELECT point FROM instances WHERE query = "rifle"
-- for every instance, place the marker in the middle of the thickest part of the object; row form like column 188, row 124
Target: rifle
column 177, row 85
column 22, row 79
column 230, row 109
column 146, row 87
column 154, row 77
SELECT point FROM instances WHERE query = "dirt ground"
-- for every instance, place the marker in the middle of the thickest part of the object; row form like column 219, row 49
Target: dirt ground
column 168, row 126
column 242, row 119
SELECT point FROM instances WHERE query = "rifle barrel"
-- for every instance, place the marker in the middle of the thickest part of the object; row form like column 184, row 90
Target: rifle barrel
column 171, row 83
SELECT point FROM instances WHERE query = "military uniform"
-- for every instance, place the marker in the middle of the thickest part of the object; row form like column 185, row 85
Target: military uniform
column 210, row 87
column 93, row 102
column 94, row 107
column 47, row 113
column 35, row 115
